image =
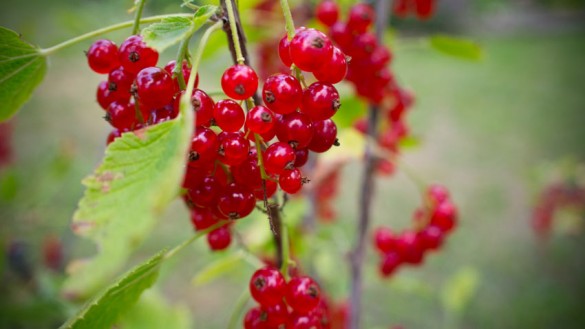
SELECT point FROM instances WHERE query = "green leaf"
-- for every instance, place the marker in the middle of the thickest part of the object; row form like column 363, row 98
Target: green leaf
column 152, row 311
column 351, row 109
column 104, row 310
column 22, row 68
column 218, row 268
column 409, row 142
column 456, row 47
column 140, row 175
column 172, row 30
column 458, row 291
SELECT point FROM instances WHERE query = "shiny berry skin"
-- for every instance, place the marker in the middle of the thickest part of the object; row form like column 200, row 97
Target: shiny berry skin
column 260, row 120
column 309, row 49
column 282, row 93
column 275, row 314
column 408, row 246
column 324, row 136
column 239, row 82
column 220, row 238
column 270, row 190
column 122, row 115
column 341, row 35
column 444, row 216
column 284, row 51
column 185, row 70
column 320, row 101
column 202, row 218
column 205, row 194
column 291, row 181
column 390, row 262
column 279, row 157
column 203, row 106
column 248, row 173
column 228, row 115
column 296, row 129
column 104, row 96
column 431, row 237
column 267, row 286
column 115, row 133
column 233, row 148
column 154, row 87
column 134, row 55
column 203, row 149
column 360, row 17
column 335, row 70
column 255, row 319
column 384, row 239
column 236, row 201
column 303, row 321
column 438, row 193
column 302, row 294
column 102, row 56
column 301, row 157
column 424, row 8
column 327, row 12
column 120, row 82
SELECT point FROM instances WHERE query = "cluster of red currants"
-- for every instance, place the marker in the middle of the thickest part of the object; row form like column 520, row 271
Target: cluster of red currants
column 432, row 222
column 423, row 9
column 137, row 93
column 297, row 304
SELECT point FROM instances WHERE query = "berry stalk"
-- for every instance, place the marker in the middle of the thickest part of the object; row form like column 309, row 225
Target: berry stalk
column 288, row 19
column 137, row 16
column 234, row 32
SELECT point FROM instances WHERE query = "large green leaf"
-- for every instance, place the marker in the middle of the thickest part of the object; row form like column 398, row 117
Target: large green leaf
column 104, row 310
column 172, row 30
column 152, row 311
column 139, row 177
column 456, row 47
column 22, row 68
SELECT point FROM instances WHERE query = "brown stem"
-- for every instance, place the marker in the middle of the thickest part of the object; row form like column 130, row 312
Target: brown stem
column 357, row 255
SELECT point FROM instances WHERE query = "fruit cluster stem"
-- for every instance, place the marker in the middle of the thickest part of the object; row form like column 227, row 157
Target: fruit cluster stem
column 137, row 16
column 382, row 7
column 288, row 19
column 240, row 59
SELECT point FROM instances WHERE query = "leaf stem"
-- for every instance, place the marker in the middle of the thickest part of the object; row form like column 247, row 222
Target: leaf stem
column 288, row 19
column 104, row 30
column 137, row 16
column 196, row 236
column 234, row 31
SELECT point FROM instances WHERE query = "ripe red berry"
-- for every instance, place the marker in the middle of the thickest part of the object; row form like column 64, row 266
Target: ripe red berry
column 204, row 145
column 437, row 193
column 431, row 237
column 444, row 216
column 301, row 157
column 233, row 148
column 259, row 193
column 220, row 238
column 239, row 82
column 303, row 321
column 320, row 101
column 122, row 115
column 120, row 83
column 327, row 12
column 284, row 51
column 360, row 17
column 279, row 157
column 154, row 87
column 260, row 120
column 267, row 286
column 102, row 56
column 296, row 129
column 302, row 294
column 282, row 93
column 115, row 133
column 236, row 201
column 325, row 136
column 309, row 49
column 205, row 194
column 424, row 8
column 390, row 262
column 105, row 97
column 202, row 218
column 276, row 314
column 335, row 70
column 185, row 70
column 291, row 181
column 203, row 106
column 341, row 35
column 255, row 318
column 408, row 246
column 384, row 239
column 134, row 55
column 228, row 115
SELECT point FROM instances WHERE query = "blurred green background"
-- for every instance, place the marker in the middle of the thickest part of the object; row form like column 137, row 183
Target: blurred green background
column 496, row 132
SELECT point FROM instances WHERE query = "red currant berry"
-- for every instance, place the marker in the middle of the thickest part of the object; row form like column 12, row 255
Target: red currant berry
column 267, row 286
column 327, row 12
column 335, row 70
column 360, row 18
column 363, row 47
column 384, row 239
column 154, row 87
column 134, row 55
column 203, row 106
column 302, row 294
column 444, row 216
column 102, row 56
column 260, row 120
column 401, row 8
column 438, row 193
column 296, row 129
column 301, row 157
column 239, row 82
column 112, row 136
column 310, row 49
column 320, row 101
column 220, row 238
column 408, row 245
column 291, row 181
column 284, row 51
column 185, row 70
column 248, row 173
column 120, row 83
column 105, row 97
column 205, row 194
column 202, row 218
column 424, row 8
column 431, row 237
column 194, row 176
column 255, row 318
column 228, row 115
column 260, row 194
column 122, row 115
column 303, row 321
column 325, row 136
column 203, row 147
column 341, row 35
column 276, row 314
column 279, row 157
column 236, row 201
column 282, row 93
column 233, row 148
column 390, row 262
